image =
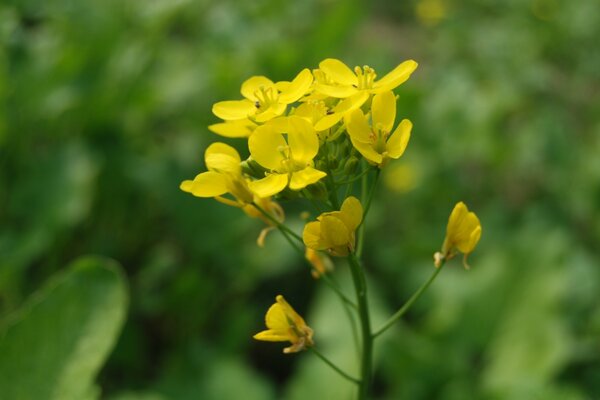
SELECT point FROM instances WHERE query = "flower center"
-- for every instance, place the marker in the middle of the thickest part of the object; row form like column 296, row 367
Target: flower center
column 288, row 164
column 379, row 138
column 266, row 96
column 366, row 76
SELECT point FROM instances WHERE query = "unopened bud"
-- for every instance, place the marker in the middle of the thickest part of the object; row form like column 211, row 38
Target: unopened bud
column 351, row 166
column 317, row 190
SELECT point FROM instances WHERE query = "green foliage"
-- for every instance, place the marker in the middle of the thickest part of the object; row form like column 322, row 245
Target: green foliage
column 54, row 346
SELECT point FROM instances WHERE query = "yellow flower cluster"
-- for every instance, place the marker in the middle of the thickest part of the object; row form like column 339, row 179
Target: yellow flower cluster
column 295, row 131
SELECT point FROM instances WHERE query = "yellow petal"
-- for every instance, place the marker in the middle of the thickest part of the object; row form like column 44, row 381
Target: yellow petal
column 469, row 245
column 339, row 92
column 254, row 84
column 303, row 140
column 358, row 127
column 265, row 147
column 233, row 109
column 290, row 313
column 312, row 236
column 206, row 184
column 397, row 143
column 396, row 77
column 351, row 213
column 297, row 88
column 221, row 157
column 273, row 336
column 305, row 177
column 269, row 186
column 233, row 129
column 334, row 232
column 351, row 103
column 276, row 318
column 338, row 71
column 328, row 121
column 367, row 151
column 384, row 111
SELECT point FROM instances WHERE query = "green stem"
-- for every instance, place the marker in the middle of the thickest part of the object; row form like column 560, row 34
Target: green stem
column 367, row 207
column 366, row 365
column 333, row 366
column 277, row 223
column 394, row 318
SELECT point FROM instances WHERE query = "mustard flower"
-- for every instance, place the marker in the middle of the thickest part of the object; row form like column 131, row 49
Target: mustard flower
column 285, row 325
column 376, row 142
column 224, row 176
column 289, row 160
column 341, row 82
column 335, row 231
column 462, row 234
column 264, row 100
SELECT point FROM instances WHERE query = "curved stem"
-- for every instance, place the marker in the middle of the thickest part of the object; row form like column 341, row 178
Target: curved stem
column 278, row 224
column 366, row 365
column 333, row 366
column 408, row 303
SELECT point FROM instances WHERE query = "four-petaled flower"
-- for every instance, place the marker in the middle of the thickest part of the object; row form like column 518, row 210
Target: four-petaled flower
column 462, row 234
column 289, row 161
column 264, row 100
column 285, row 325
column 335, row 231
column 376, row 142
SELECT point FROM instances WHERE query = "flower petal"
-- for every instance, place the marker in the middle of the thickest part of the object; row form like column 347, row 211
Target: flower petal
column 222, row 157
column 384, row 110
column 398, row 141
column 367, row 151
column 328, row 121
column 305, row 177
column 297, row 88
column 340, row 92
column 265, row 147
column 303, row 140
column 358, row 127
column 254, row 84
column 206, row 184
column 272, row 335
column 233, row 129
column 351, row 103
column 338, row 71
column 312, row 236
column 351, row 213
column 334, row 232
column 275, row 110
column 396, row 77
column 269, row 186
column 234, row 109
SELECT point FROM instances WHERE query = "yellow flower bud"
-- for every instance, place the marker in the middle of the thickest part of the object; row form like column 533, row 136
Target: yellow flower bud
column 462, row 234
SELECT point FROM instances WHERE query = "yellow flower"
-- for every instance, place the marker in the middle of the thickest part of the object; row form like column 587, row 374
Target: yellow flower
column 335, row 231
column 264, row 99
column 462, row 234
column 240, row 128
column 341, row 82
column 285, row 325
column 224, row 176
column 290, row 161
column 375, row 142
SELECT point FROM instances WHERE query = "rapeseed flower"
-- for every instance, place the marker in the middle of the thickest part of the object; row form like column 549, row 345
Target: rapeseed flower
column 335, row 231
column 286, row 147
column 339, row 81
column 285, row 325
column 376, row 142
column 263, row 99
column 462, row 234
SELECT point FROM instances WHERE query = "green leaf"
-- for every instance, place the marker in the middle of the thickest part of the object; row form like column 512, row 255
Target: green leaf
column 54, row 346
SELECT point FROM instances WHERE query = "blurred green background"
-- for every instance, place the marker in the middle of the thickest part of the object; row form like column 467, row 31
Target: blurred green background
column 104, row 111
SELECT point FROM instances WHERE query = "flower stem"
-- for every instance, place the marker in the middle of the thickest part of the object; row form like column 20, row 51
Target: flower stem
column 394, row 318
column 367, row 207
column 333, row 366
column 366, row 365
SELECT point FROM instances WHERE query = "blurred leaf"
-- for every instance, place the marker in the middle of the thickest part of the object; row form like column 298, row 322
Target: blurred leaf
column 55, row 345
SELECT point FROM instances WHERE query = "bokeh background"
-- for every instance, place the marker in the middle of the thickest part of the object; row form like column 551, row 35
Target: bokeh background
column 104, row 111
